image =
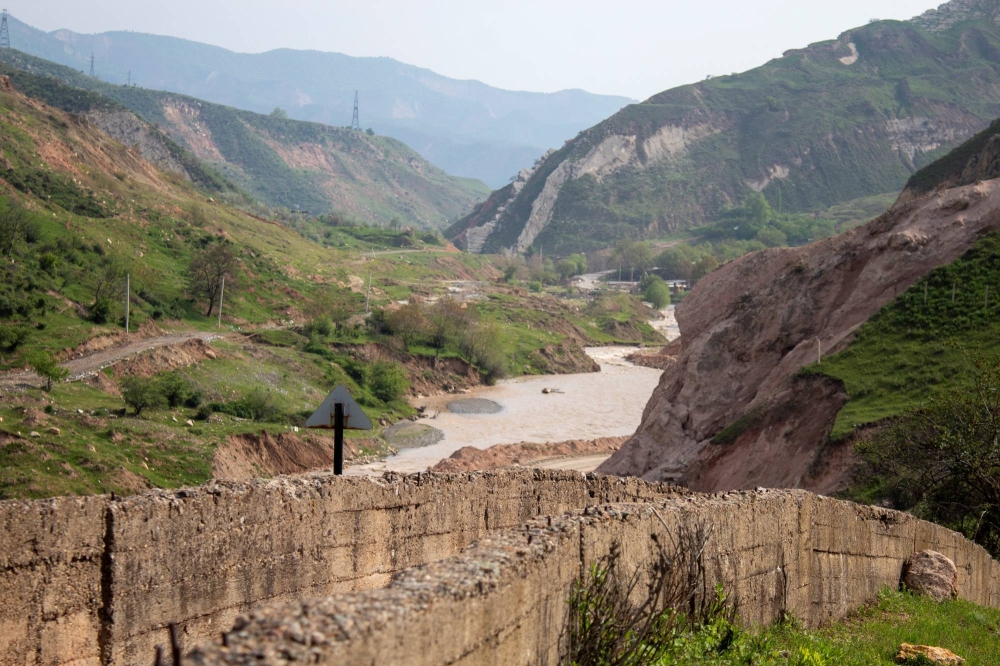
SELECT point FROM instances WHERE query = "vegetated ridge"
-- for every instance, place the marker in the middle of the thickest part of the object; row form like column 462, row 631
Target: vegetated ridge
column 736, row 411
column 281, row 162
column 466, row 128
column 830, row 123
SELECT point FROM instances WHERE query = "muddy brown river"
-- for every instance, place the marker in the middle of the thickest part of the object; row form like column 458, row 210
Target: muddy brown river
column 608, row 403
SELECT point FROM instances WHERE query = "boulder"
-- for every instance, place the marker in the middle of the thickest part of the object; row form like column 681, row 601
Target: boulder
column 931, row 573
column 923, row 654
column 55, row 431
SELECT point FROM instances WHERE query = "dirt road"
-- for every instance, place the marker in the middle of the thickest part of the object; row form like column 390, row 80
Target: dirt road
column 97, row 361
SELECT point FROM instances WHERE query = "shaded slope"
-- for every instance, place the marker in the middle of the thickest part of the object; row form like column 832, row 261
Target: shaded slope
column 830, row 123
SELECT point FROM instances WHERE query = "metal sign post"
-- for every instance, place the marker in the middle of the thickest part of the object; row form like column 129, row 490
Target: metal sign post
column 339, row 412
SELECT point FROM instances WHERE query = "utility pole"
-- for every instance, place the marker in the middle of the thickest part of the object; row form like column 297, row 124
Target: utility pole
column 129, row 79
column 222, row 293
column 91, row 64
column 4, row 31
column 128, row 294
column 356, row 120
column 369, row 294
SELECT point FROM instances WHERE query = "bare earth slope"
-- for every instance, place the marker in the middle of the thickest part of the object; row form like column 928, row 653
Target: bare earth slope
column 750, row 326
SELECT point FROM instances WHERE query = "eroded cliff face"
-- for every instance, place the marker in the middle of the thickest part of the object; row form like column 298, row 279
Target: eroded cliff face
column 820, row 126
column 749, row 327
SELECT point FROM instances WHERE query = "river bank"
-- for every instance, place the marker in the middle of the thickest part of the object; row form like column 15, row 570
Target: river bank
column 583, row 406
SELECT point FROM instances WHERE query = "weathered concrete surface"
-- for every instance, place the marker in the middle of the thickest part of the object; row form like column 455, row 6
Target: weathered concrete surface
column 50, row 581
column 504, row 600
column 98, row 580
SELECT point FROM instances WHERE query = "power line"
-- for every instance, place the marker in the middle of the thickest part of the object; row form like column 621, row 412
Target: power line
column 356, row 121
column 4, row 32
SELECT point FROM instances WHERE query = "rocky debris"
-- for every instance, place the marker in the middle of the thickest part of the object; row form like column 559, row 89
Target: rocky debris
column 931, row 573
column 750, row 326
column 130, row 130
column 54, row 431
column 34, row 433
column 5, row 84
column 470, row 459
column 652, row 358
column 927, row 654
column 189, row 423
column 957, row 11
column 547, row 391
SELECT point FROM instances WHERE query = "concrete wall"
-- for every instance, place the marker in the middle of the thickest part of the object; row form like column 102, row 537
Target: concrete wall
column 98, row 580
column 504, row 599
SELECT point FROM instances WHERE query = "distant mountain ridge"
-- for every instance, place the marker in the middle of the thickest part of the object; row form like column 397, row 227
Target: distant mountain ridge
column 822, row 125
column 466, row 128
column 281, row 162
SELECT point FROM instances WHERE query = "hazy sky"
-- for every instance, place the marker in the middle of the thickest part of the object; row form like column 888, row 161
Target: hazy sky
column 627, row 47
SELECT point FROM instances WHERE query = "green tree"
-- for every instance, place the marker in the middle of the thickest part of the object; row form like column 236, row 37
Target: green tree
column 14, row 223
column 657, row 292
column 174, row 388
column 279, row 113
column 208, row 269
column 388, row 381
column 703, row 267
column 408, row 322
column 772, row 237
column 140, row 393
column 46, row 367
column 446, row 319
column 759, row 211
column 942, row 461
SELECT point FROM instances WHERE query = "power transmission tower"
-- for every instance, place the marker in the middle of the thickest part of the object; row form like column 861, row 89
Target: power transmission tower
column 129, row 79
column 4, row 33
column 356, row 121
column 91, row 64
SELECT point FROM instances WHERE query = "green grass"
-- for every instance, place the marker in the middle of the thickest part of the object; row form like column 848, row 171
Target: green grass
column 872, row 635
column 911, row 351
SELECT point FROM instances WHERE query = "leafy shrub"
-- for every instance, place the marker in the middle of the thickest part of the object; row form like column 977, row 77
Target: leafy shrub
column 101, row 311
column 257, row 405
column 140, row 393
column 45, row 365
column 535, row 286
column 388, row 381
column 12, row 337
column 174, row 388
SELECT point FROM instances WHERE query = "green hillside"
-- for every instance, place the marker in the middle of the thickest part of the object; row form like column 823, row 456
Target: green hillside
column 820, row 126
column 283, row 163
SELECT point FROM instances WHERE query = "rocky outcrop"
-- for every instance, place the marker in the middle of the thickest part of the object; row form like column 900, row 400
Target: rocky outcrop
column 958, row 11
column 128, row 129
column 732, row 412
column 931, row 573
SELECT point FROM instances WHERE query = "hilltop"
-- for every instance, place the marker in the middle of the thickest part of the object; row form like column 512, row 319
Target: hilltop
column 820, row 126
column 464, row 127
column 281, row 162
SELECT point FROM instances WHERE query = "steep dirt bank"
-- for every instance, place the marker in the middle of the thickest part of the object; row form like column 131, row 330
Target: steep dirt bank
column 470, row 459
column 246, row 457
column 750, row 326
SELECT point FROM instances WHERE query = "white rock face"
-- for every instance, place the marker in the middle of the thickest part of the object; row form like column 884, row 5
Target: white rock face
column 851, row 59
